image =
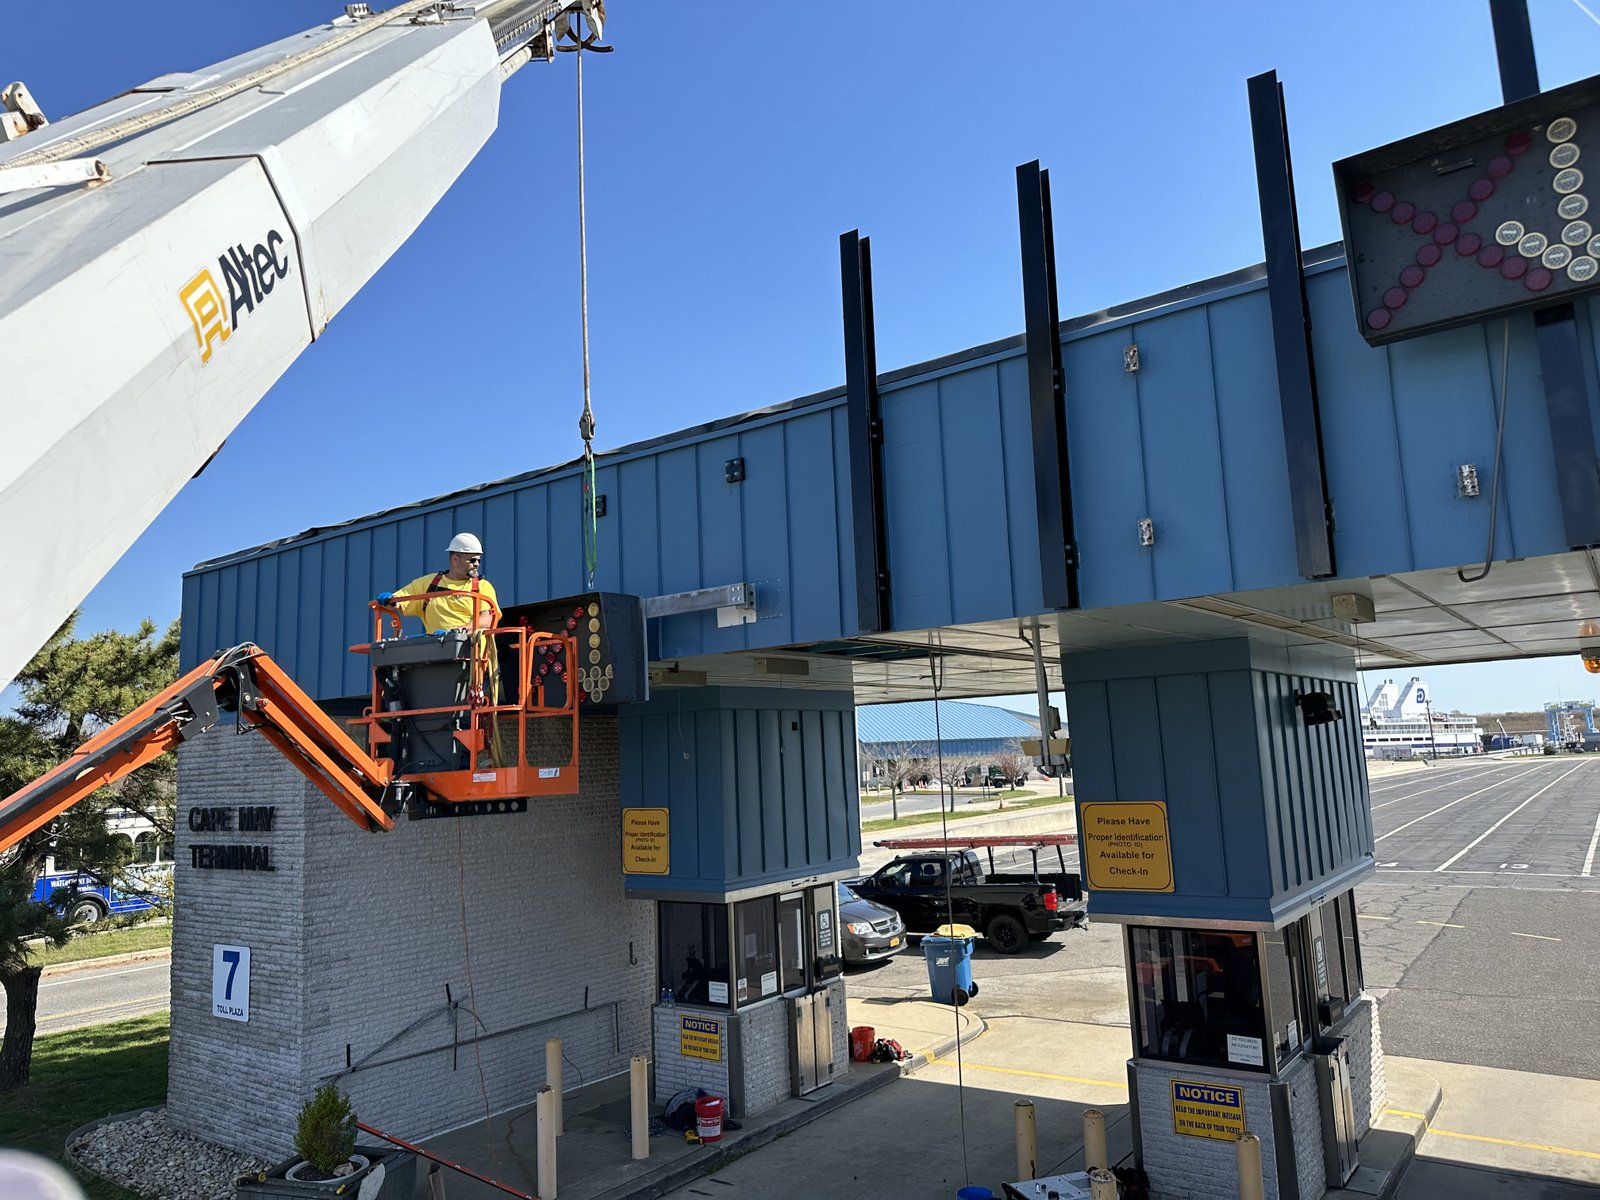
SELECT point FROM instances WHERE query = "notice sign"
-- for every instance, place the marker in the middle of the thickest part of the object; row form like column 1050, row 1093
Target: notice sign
column 700, row 1037
column 230, row 982
column 644, row 841
column 1125, row 845
column 1206, row 1110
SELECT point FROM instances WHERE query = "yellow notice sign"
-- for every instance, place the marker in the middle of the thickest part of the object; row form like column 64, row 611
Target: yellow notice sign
column 1125, row 845
column 644, row 841
column 700, row 1037
column 1206, row 1110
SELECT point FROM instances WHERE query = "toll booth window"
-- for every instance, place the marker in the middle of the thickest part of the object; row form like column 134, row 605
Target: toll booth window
column 693, row 954
column 1327, row 962
column 755, row 950
column 825, row 925
column 792, row 942
column 1292, row 1021
column 1355, row 978
column 1198, row 995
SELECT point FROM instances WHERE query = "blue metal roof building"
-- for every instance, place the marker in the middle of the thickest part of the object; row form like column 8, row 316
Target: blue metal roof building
column 912, row 729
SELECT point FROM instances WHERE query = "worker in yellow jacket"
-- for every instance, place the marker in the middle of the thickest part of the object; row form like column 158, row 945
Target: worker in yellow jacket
column 473, row 605
column 451, row 612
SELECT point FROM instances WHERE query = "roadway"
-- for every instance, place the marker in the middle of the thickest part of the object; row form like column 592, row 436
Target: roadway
column 91, row 995
column 1481, row 930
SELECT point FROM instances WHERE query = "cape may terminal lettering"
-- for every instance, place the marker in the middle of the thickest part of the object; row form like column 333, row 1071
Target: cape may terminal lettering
column 245, row 818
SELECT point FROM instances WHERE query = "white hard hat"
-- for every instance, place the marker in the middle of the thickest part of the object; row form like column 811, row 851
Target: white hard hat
column 465, row 543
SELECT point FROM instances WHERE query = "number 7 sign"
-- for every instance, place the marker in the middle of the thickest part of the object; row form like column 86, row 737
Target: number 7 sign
column 230, row 982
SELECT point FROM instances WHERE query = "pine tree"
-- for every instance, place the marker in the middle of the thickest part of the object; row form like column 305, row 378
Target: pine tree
column 73, row 688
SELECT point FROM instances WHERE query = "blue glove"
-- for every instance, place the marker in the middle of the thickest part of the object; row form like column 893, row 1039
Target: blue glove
column 385, row 597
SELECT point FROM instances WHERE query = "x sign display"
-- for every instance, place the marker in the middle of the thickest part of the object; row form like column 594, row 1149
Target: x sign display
column 1477, row 218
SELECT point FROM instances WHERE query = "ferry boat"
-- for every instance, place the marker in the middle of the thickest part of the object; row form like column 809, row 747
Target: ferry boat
column 1400, row 721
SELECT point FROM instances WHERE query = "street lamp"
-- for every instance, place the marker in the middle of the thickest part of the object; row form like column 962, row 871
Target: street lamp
column 1433, row 746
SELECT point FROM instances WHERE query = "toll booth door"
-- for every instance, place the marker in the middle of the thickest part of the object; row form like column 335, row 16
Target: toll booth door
column 811, row 1047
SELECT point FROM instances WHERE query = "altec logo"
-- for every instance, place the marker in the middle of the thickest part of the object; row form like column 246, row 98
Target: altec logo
column 250, row 276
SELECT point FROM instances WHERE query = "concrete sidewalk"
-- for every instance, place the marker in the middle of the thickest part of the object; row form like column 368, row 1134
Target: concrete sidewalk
column 946, row 1119
column 594, row 1155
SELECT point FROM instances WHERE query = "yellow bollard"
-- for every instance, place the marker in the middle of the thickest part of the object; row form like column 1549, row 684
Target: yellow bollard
column 546, row 1131
column 1027, row 1140
column 1102, row 1184
column 552, row 1076
column 639, row 1094
column 1094, row 1140
column 1248, row 1150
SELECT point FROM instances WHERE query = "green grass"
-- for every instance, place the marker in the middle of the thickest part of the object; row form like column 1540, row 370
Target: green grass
column 80, row 1076
column 933, row 818
column 103, row 943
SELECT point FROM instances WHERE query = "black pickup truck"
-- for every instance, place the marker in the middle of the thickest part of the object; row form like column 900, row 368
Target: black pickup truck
column 1008, row 910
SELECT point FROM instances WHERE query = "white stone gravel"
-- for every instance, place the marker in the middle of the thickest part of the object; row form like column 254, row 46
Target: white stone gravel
column 147, row 1156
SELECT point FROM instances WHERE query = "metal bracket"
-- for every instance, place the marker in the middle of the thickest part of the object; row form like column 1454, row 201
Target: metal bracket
column 730, row 598
column 19, row 113
column 1130, row 359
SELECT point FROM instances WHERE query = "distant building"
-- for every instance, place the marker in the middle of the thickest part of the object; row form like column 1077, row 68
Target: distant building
column 964, row 730
column 1399, row 721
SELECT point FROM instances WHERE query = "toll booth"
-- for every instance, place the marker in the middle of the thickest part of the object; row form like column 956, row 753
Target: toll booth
column 740, row 813
column 1224, row 823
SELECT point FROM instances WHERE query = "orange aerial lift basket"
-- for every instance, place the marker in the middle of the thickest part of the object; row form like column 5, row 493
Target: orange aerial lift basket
column 472, row 716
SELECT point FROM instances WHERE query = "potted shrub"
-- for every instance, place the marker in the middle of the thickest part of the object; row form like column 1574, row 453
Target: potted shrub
column 325, row 1138
column 329, row 1163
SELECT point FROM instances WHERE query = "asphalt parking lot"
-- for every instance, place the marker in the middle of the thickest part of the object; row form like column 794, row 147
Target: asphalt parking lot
column 1480, row 931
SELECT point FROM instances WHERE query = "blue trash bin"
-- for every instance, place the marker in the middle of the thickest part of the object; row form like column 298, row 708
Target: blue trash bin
column 949, row 968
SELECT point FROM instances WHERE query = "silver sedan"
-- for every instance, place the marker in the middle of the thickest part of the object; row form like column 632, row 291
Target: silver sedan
column 871, row 931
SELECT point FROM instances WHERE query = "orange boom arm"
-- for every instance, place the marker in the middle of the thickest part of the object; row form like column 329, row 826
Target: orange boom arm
column 243, row 681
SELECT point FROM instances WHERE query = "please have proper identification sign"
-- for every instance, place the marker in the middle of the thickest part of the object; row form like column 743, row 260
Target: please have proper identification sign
column 1126, row 847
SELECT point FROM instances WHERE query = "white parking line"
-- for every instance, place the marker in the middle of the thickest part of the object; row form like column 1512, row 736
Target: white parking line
column 1445, row 865
column 1424, row 792
column 1588, row 862
column 1502, row 874
column 1441, row 808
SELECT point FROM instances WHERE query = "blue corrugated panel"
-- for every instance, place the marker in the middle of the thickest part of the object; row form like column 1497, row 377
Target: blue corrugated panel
column 1192, row 440
column 672, row 523
column 1264, row 812
column 759, row 784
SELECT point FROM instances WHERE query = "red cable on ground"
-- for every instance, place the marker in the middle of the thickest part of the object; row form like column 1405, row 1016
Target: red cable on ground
column 443, row 1162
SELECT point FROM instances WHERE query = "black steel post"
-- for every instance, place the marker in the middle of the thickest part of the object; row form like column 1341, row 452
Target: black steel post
column 1310, row 505
column 1513, row 47
column 868, row 521
column 1047, row 407
column 1566, row 389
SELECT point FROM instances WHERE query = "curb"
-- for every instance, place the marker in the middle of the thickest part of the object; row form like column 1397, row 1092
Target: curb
column 110, row 960
column 675, row 1175
column 922, row 1058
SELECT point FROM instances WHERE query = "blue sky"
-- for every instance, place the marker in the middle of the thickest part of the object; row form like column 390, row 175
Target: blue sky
column 728, row 147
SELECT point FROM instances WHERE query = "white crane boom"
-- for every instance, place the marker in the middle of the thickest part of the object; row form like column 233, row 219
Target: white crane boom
column 165, row 256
